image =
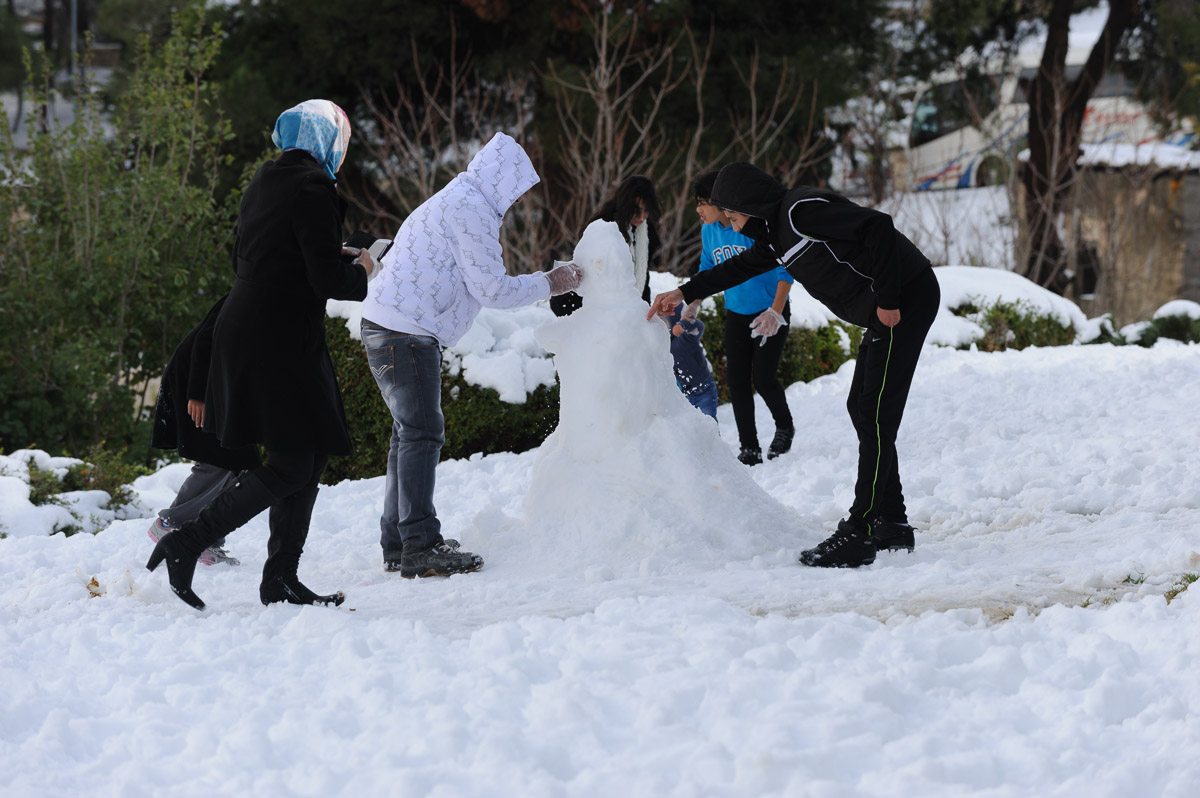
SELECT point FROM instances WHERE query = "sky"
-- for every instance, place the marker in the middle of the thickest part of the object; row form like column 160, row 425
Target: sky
column 641, row 626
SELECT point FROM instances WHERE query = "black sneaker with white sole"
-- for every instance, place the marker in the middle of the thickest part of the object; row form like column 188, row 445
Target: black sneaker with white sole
column 439, row 560
column 891, row 535
column 782, row 442
column 393, row 559
column 849, row 547
column 750, row 457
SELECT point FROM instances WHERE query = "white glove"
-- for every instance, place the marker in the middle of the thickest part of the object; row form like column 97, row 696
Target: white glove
column 563, row 278
column 690, row 311
column 766, row 325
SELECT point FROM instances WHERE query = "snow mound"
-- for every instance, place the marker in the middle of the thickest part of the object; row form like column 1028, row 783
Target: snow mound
column 629, row 445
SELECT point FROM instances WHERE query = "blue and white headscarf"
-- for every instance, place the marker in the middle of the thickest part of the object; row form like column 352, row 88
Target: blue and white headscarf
column 318, row 127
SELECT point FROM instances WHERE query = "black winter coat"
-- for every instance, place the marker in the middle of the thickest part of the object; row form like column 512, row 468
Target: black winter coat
column 848, row 257
column 186, row 377
column 272, row 381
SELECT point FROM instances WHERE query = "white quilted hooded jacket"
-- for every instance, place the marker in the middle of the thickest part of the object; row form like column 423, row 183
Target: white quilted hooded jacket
column 445, row 263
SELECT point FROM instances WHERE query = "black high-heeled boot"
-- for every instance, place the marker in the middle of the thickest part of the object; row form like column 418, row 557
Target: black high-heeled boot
column 289, row 520
column 293, row 591
column 230, row 509
column 181, row 565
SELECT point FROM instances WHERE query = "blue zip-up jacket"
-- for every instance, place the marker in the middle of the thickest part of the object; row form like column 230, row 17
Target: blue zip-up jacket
column 720, row 243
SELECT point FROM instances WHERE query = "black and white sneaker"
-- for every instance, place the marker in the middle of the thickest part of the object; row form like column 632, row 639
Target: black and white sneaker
column 849, row 547
column 393, row 560
column 750, row 457
column 891, row 535
column 781, row 443
column 439, row 560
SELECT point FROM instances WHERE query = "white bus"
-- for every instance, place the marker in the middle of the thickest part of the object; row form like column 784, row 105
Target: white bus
column 962, row 137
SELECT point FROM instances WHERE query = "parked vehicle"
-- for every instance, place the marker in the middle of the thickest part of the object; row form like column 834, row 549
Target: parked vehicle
column 968, row 132
column 965, row 133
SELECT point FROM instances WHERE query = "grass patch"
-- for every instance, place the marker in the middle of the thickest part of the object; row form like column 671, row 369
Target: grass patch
column 1181, row 584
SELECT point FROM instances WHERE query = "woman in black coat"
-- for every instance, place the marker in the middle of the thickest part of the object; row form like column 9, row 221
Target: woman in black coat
column 635, row 208
column 271, row 381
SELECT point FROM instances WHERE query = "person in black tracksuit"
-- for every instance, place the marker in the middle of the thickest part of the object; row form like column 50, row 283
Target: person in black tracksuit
column 853, row 260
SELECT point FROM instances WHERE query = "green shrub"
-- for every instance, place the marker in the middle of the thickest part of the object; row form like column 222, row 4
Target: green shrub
column 1180, row 328
column 107, row 470
column 476, row 419
column 808, row 354
column 44, row 486
column 112, row 237
column 104, row 470
column 1109, row 334
column 1014, row 325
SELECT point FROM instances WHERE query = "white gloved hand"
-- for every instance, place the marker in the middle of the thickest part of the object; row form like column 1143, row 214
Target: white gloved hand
column 690, row 311
column 765, row 325
column 563, row 278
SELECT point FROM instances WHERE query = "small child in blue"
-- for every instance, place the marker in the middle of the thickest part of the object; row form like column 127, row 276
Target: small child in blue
column 691, row 367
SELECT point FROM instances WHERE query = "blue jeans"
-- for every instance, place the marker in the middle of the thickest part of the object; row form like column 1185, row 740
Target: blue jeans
column 408, row 371
column 705, row 401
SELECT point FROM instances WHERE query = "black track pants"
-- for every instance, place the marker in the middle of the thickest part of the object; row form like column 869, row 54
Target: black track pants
column 750, row 367
column 883, row 374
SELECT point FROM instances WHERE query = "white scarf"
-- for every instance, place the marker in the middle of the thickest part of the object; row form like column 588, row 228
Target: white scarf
column 640, row 248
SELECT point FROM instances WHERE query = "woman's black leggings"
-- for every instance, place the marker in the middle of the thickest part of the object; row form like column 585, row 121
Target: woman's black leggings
column 750, row 367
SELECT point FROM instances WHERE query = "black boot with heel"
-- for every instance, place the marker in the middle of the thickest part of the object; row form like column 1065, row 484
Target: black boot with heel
column 181, row 565
column 289, row 531
column 231, row 508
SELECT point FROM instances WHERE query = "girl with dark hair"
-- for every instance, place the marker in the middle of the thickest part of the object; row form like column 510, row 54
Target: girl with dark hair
column 635, row 208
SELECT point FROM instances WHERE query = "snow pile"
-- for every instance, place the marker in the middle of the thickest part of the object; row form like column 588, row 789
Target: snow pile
column 1179, row 307
column 1025, row 648
column 629, row 447
column 77, row 510
column 963, row 285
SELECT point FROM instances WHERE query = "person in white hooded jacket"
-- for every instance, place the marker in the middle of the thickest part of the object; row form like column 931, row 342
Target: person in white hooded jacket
column 445, row 264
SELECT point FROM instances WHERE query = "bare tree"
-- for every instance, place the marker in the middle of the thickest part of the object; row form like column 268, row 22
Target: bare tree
column 430, row 132
column 610, row 123
column 1056, row 111
column 609, row 114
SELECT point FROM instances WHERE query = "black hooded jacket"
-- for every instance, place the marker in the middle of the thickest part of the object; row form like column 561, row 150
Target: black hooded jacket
column 849, row 257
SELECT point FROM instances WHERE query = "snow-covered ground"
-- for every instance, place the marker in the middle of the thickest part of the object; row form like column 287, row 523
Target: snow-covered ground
column 638, row 631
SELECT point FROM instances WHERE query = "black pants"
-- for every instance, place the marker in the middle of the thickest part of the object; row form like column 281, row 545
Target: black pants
column 750, row 367
column 288, row 484
column 883, row 375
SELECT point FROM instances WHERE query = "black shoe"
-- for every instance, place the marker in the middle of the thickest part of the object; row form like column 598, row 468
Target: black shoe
column 289, row 589
column 181, row 566
column 750, row 457
column 393, row 559
column 849, row 547
column 781, row 443
column 891, row 536
column 439, row 560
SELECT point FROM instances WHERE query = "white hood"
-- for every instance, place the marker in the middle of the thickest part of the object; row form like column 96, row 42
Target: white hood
column 502, row 172
column 446, row 262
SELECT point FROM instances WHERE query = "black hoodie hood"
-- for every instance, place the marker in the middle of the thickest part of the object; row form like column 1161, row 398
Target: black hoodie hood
column 744, row 188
